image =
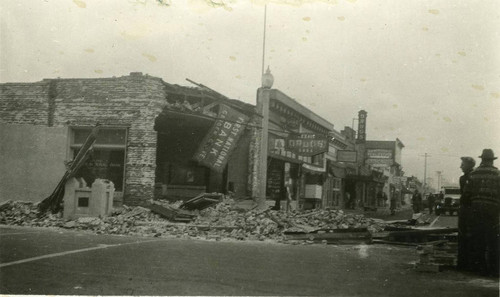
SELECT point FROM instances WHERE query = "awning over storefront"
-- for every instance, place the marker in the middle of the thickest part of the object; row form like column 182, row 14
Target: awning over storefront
column 306, row 168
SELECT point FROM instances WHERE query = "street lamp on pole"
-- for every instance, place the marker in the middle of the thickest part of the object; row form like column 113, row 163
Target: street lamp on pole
column 263, row 98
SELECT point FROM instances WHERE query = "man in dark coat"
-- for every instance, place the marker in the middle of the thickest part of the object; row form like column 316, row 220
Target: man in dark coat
column 464, row 217
column 483, row 191
column 416, row 199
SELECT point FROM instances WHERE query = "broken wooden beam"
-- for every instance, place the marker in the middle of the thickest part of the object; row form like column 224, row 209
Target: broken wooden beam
column 202, row 201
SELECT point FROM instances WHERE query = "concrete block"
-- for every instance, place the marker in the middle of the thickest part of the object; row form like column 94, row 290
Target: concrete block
column 82, row 201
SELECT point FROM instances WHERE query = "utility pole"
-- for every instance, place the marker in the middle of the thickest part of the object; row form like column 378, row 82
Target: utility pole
column 439, row 180
column 425, row 172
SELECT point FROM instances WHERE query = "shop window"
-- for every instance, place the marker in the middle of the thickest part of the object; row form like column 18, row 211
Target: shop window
column 107, row 160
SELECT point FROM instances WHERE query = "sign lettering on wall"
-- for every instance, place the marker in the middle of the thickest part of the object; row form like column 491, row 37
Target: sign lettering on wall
column 374, row 162
column 379, row 154
column 347, row 156
column 220, row 141
column 307, row 144
column 379, row 157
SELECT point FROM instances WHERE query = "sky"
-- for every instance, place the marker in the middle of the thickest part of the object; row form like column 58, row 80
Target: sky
column 427, row 72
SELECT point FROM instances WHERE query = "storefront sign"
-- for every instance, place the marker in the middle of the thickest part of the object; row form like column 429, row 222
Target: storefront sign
column 307, row 144
column 216, row 147
column 347, row 156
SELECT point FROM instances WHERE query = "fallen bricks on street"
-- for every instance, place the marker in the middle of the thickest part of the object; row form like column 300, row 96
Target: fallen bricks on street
column 225, row 220
column 219, row 221
column 437, row 257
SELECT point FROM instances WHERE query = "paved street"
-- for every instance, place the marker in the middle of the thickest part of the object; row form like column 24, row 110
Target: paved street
column 44, row 261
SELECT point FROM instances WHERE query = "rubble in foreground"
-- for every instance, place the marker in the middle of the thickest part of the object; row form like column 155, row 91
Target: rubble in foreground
column 223, row 220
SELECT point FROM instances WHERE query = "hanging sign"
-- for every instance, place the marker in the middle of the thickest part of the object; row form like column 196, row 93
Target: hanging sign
column 216, row 147
column 307, row 144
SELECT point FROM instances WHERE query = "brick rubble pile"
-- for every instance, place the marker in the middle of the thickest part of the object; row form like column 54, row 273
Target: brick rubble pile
column 221, row 221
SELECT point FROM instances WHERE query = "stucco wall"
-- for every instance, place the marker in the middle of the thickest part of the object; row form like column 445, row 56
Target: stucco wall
column 31, row 158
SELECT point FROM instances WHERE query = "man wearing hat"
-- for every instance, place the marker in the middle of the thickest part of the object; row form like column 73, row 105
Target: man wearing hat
column 483, row 191
column 464, row 216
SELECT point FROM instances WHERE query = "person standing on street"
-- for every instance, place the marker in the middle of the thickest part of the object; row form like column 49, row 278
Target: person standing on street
column 416, row 200
column 393, row 203
column 384, row 198
column 483, row 191
column 464, row 217
column 430, row 202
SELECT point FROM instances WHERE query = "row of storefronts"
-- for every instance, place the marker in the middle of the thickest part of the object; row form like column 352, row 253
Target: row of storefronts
column 164, row 141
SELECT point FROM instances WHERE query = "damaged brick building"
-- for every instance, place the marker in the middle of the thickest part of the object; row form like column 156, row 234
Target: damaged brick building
column 150, row 131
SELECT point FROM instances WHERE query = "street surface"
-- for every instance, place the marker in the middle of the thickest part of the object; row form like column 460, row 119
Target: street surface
column 442, row 221
column 49, row 262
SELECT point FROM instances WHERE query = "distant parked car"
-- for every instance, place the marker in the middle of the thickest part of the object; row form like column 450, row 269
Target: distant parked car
column 450, row 203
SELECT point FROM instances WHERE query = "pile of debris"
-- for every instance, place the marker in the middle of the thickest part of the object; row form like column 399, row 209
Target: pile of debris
column 438, row 256
column 219, row 218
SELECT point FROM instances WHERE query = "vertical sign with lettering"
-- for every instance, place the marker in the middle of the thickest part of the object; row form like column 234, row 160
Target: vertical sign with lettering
column 362, row 125
column 216, row 147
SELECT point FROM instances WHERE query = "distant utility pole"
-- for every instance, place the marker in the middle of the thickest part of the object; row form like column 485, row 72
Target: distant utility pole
column 439, row 180
column 425, row 171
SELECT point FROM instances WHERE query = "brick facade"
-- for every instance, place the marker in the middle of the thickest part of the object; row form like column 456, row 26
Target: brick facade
column 24, row 103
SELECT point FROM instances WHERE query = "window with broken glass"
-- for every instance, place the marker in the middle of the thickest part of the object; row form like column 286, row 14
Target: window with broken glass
column 107, row 160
